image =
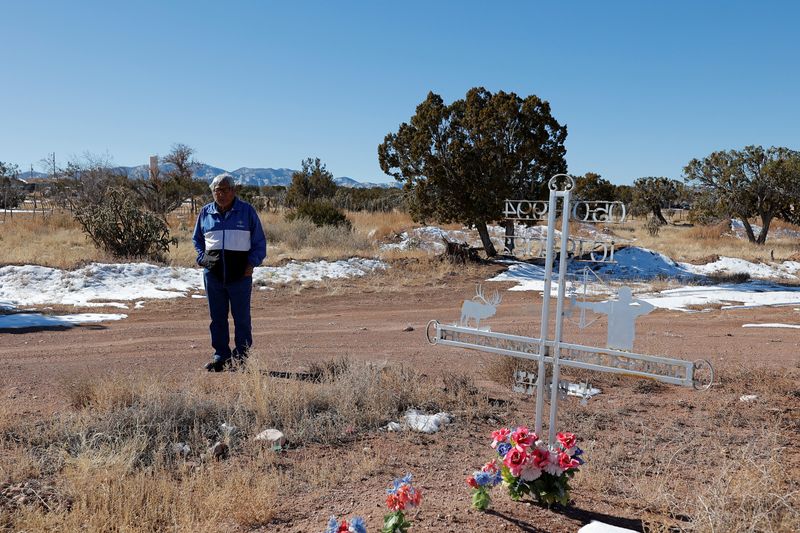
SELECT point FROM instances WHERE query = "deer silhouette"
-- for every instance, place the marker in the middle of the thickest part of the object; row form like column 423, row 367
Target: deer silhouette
column 479, row 308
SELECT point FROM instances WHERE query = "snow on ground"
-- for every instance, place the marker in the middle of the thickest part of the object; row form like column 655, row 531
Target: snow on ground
column 429, row 238
column 104, row 285
column 37, row 320
column 774, row 325
column 637, row 265
column 110, row 285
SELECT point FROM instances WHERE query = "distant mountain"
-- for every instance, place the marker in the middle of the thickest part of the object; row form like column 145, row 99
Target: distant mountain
column 28, row 175
column 244, row 175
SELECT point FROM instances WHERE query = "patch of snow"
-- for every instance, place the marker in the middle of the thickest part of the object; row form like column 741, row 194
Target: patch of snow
column 634, row 263
column 733, row 296
column 772, row 325
column 118, row 305
column 37, row 320
column 37, row 285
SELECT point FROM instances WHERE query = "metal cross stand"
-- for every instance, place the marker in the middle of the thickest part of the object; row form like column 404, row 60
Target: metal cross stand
column 617, row 357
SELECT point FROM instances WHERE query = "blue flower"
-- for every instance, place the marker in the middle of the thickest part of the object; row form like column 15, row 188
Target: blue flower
column 498, row 478
column 397, row 483
column 503, row 448
column 577, row 455
column 333, row 525
column 483, row 478
column 357, row 525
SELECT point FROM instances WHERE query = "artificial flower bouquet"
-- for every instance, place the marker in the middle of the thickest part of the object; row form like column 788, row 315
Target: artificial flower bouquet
column 400, row 496
column 356, row 525
column 528, row 466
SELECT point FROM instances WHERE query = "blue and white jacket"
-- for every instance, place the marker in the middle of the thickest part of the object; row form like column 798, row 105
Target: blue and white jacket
column 235, row 238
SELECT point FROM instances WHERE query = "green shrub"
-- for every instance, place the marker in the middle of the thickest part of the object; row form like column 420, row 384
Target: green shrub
column 321, row 213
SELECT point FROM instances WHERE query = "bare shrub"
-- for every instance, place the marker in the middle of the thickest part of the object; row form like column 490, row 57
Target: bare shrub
column 653, row 226
column 338, row 236
column 292, row 233
column 119, row 226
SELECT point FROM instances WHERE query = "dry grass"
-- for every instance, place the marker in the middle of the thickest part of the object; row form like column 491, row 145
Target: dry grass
column 111, row 459
column 694, row 243
column 57, row 240
column 722, row 465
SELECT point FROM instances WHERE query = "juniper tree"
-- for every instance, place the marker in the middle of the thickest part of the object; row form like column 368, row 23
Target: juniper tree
column 458, row 162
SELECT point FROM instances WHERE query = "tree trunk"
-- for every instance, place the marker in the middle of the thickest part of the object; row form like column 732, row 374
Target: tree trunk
column 488, row 247
column 766, row 220
column 749, row 230
column 657, row 213
column 509, row 240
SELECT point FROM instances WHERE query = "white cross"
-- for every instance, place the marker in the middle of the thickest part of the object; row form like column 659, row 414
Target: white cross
column 621, row 314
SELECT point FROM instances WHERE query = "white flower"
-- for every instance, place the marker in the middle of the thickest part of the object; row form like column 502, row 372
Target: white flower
column 530, row 472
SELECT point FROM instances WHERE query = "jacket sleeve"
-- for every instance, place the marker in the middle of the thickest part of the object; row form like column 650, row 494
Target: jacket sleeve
column 258, row 241
column 199, row 238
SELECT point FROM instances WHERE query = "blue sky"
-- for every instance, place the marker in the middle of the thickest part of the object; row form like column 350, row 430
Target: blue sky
column 642, row 86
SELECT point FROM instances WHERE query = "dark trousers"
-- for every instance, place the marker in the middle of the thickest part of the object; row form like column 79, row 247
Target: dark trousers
column 233, row 297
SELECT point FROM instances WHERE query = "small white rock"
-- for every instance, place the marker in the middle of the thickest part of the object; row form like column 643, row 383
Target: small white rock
column 747, row 397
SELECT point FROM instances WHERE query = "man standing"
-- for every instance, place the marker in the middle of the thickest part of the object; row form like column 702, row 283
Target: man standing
column 230, row 242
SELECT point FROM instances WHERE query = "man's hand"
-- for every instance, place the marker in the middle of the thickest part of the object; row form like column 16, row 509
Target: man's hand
column 248, row 271
column 208, row 261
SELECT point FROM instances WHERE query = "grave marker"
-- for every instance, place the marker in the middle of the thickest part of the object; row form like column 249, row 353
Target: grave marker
column 622, row 312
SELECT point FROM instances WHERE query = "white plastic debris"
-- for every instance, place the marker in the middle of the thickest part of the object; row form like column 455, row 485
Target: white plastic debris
column 601, row 527
column 393, row 426
column 582, row 390
column 273, row 437
column 747, row 397
column 426, row 423
column 227, row 428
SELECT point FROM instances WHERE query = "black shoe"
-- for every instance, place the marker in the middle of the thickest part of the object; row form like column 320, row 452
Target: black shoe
column 238, row 360
column 217, row 363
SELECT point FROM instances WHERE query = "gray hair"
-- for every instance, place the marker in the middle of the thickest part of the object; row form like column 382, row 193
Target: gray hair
column 223, row 178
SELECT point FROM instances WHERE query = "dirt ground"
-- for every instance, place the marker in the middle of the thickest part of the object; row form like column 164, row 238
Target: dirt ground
column 359, row 320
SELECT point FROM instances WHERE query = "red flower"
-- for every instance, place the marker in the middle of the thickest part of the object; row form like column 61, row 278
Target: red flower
column 540, row 458
column 515, row 459
column 522, row 436
column 472, row 483
column 394, row 503
column 565, row 462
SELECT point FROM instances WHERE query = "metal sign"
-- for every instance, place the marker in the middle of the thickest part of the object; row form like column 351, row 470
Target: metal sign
column 616, row 357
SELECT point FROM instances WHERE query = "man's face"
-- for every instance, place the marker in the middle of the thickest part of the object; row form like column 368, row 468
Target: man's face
column 223, row 195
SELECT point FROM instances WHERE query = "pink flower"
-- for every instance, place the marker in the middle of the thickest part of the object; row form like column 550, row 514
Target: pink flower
column 522, row 436
column 490, row 467
column 501, row 435
column 567, row 440
column 565, row 462
column 515, row 459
